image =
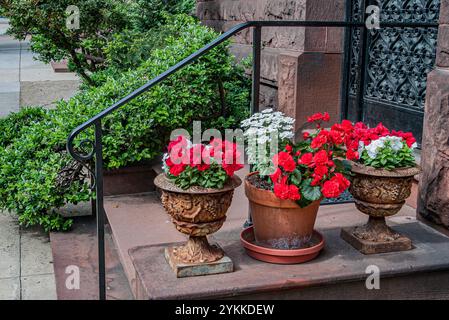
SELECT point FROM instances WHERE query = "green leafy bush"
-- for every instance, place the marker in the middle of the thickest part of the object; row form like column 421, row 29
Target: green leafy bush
column 148, row 14
column 32, row 162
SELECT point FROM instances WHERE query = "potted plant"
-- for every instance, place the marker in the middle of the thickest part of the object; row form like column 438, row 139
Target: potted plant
column 284, row 193
column 381, row 181
column 197, row 186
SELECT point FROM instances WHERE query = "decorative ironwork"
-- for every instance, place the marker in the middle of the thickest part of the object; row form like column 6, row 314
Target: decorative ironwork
column 80, row 168
column 357, row 15
column 345, row 197
column 398, row 58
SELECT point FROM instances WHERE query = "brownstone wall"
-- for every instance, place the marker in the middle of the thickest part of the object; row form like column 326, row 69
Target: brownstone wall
column 300, row 68
column 433, row 200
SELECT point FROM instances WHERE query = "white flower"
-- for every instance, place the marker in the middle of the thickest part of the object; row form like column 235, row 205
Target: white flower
column 374, row 147
column 262, row 128
column 165, row 168
column 396, row 143
column 361, row 148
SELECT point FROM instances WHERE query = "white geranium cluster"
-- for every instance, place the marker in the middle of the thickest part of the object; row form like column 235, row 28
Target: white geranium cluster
column 373, row 149
column 263, row 131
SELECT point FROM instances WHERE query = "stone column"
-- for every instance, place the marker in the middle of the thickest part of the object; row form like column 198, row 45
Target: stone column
column 300, row 67
column 309, row 81
column 433, row 200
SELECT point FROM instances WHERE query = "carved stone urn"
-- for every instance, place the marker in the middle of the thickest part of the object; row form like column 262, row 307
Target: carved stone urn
column 379, row 193
column 197, row 212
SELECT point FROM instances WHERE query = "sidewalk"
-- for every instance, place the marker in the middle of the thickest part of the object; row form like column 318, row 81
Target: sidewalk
column 25, row 81
column 26, row 266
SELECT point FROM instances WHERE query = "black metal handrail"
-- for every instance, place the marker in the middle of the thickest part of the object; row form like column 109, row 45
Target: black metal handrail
column 96, row 145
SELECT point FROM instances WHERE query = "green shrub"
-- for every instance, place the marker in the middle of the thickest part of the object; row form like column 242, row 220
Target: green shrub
column 31, row 162
column 148, row 14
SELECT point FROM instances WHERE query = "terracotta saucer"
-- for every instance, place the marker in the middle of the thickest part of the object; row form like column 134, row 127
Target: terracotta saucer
column 279, row 256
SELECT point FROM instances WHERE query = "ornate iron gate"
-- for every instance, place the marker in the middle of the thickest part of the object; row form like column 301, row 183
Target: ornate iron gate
column 396, row 64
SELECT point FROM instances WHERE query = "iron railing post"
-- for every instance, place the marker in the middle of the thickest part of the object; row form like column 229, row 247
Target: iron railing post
column 255, row 92
column 362, row 65
column 346, row 65
column 257, row 48
column 100, row 210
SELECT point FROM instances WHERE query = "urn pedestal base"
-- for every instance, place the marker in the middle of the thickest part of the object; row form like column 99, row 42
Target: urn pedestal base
column 184, row 269
column 375, row 237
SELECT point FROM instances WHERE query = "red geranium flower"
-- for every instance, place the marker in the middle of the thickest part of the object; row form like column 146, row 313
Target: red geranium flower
column 321, row 139
column 331, row 189
column 306, row 135
column 276, row 175
column 177, row 169
column 319, row 117
column 352, row 155
column 321, row 171
column 181, row 140
column 293, row 192
column 321, row 158
column 284, row 160
column 281, row 189
column 306, row 159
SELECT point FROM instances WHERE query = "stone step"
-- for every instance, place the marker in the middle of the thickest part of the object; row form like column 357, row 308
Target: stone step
column 78, row 249
column 340, row 272
column 141, row 229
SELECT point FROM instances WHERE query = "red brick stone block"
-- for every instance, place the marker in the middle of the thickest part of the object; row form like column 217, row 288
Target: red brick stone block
column 433, row 201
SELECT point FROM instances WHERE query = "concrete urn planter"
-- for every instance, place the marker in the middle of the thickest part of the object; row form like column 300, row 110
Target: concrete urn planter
column 379, row 193
column 196, row 212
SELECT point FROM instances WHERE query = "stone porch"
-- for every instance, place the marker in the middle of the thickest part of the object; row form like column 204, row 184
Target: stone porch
column 139, row 229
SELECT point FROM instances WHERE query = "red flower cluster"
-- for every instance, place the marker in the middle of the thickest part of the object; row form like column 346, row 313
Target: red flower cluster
column 335, row 186
column 285, row 191
column 199, row 156
column 318, row 166
column 314, row 162
column 407, row 136
column 317, row 117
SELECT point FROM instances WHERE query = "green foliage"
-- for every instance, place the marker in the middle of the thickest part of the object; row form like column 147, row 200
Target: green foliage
column 214, row 177
column 32, row 159
column 148, row 14
column 14, row 125
column 388, row 158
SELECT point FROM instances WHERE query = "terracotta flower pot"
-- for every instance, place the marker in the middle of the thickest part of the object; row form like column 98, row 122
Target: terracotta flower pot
column 282, row 224
column 196, row 212
column 379, row 193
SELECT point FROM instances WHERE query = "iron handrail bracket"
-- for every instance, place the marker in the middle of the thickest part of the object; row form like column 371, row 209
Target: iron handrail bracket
column 96, row 149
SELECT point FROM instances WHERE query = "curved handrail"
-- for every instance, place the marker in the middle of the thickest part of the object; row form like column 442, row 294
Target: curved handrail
column 223, row 37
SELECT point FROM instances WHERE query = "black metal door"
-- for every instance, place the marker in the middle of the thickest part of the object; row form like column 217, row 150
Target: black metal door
column 396, row 64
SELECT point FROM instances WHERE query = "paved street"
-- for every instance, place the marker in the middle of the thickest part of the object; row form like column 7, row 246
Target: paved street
column 25, row 81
